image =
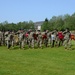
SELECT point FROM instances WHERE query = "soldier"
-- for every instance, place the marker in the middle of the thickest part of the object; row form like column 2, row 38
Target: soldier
column 53, row 37
column 56, row 37
column 31, row 39
column 21, row 39
column 0, row 38
column 49, row 38
column 6, row 37
column 16, row 38
column 12, row 39
column 43, row 33
column 44, row 38
column 26, row 37
column 3, row 38
column 67, row 43
column 8, row 40
column 39, row 40
column 60, row 38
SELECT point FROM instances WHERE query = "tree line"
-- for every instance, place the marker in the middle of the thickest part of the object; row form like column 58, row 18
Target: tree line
column 59, row 22
column 5, row 26
column 56, row 22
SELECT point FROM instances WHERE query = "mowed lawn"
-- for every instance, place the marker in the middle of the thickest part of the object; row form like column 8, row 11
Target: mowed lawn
column 47, row 61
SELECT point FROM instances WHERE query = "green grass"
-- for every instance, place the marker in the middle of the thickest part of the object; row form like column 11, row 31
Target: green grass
column 47, row 61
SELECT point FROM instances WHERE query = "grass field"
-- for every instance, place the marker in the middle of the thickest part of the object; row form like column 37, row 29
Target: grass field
column 47, row 61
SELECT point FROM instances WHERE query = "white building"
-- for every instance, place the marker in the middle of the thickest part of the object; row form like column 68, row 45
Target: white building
column 38, row 25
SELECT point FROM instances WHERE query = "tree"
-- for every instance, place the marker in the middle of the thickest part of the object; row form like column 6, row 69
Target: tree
column 45, row 25
column 59, row 24
column 53, row 18
column 31, row 25
column 70, row 23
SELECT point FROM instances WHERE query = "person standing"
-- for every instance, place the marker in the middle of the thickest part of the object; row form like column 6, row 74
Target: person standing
column 21, row 39
column 53, row 39
column 39, row 40
column 9, row 40
column 60, row 38
column 31, row 39
column 0, row 38
column 67, row 40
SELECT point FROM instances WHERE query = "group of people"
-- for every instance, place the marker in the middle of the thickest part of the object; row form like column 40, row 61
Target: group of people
column 36, row 38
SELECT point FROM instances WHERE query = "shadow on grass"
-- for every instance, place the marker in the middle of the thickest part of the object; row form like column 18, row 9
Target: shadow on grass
column 25, row 48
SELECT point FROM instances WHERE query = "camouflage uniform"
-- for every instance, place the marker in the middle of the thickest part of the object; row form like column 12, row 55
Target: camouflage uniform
column 56, row 38
column 6, row 38
column 0, row 38
column 8, row 41
column 67, row 43
column 3, row 38
column 44, row 38
column 16, row 39
column 60, row 38
column 31, row 40
column 49, row 38
column 39, row 40
column 21, row 40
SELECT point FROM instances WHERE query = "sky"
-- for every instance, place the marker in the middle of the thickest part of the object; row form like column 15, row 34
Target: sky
column 36, row 10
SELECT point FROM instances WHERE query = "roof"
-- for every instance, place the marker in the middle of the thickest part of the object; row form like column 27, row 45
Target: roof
column 38, row 23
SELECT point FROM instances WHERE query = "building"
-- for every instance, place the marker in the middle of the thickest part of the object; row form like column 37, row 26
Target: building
column 38, row 25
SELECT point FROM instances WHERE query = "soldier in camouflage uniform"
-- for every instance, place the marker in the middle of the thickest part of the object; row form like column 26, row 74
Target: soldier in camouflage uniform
column 6, row 38
column 49, row 38
column 67, row 43
column 12, row 39
column 39, row 40
column 9, row 38
column 60, row 38
column 0, row 38
column 3, row 38
column 16, row 38
column 44, row 38
column 31, row 39
column 21, row 39
column 56, row 37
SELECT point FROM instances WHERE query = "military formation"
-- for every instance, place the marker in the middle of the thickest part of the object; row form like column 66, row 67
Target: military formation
column 36, row 38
